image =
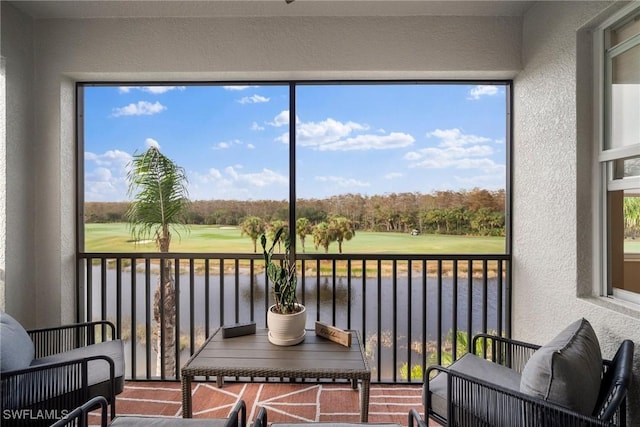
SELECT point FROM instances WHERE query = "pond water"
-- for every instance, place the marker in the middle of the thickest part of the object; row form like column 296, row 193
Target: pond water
column 382, row 310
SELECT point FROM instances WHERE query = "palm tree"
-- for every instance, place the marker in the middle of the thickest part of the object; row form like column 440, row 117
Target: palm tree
column 253, row 227
column 303, row 229
column 480, row 221
column 435, row 218
column 159, row 201
column 341, row 230
column 272, row 231
column 322, row 236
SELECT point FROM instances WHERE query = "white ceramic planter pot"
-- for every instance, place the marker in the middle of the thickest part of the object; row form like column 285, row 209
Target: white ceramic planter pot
column 286, row 329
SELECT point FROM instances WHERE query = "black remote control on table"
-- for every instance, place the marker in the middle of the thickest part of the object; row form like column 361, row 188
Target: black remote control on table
column 238, row 329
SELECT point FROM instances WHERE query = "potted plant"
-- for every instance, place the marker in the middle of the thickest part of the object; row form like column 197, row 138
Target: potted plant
column 286, row 319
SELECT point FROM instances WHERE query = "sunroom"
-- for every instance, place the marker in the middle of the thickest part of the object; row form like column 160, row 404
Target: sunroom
column 572, row 73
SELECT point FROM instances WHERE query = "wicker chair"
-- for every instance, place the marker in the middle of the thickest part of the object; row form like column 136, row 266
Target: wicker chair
column 79, row 418
column 46, row 373
column 485, row 389
column 414, row 420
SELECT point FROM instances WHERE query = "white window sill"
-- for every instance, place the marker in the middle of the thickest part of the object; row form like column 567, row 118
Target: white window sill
column 618, row 305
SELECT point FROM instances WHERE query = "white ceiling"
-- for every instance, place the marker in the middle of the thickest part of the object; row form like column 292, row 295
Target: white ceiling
column 264, row 8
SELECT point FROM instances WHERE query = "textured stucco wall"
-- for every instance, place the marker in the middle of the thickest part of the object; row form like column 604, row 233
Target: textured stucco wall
column 554, row 199
column 3, row 173
column 17, row 235
column 300, row 47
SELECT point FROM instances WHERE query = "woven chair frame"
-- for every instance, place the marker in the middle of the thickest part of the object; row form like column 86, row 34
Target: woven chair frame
column 474, row 402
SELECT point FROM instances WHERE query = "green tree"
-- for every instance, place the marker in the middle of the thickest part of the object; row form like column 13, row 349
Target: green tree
column 631, row 212
column 159, row 195
column 435, row 219
column 341, row 229
column 253, row 227
column 497, row 224
column 322, row 236
column 272, row 232
column 303, row 229
column 481, row 221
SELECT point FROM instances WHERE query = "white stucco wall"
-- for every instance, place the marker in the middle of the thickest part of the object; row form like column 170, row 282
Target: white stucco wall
column 17, row 211
column 3, row 173
column 554, row 201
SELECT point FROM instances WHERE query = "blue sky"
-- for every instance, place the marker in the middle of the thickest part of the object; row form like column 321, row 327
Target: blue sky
column 233, row 140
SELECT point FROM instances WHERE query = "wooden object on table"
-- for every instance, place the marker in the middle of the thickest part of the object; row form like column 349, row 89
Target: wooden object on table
column 334, row 334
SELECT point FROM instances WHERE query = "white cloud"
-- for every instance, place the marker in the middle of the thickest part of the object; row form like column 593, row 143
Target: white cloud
column 236, row 88
column 97, row 190
column 342, row 182
column 231, row 183
column 326, row 131
column 256, row 126
column 370, row 142
column 393, row 175
column 251, row 146
column 105, row 177
column 455, row 150
column 493, row 178
column 110, row 158
column 215, row 173
column 101, row 174
column 142, row 108
column 264, row 178
column 455, row 137
column 210, row 185
column 482, row 90
column 222, row 145
column 282, row 119
column 150, row 142
column 253, row 99
column 155, row 90
column 233, row 177
column 412, row 156
column 333, row 135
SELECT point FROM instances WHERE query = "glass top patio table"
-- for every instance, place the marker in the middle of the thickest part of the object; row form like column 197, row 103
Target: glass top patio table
column 253, row 356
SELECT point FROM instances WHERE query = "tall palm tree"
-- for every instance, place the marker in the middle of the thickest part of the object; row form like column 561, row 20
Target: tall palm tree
column 272, row 231
column 322, row 236
column 253, row 227
column 341, row 230
column 303, row 228
column 159, row 195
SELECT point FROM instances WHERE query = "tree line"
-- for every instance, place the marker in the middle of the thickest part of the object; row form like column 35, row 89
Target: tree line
column 467, row 212
column 336, row 229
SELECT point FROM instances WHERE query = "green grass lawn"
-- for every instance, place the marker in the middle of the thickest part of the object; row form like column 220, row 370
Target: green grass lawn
column 115, row 237
column 632, row 246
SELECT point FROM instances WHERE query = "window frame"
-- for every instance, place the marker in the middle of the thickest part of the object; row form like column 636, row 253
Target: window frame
column 606, row 157
column 292, row 86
